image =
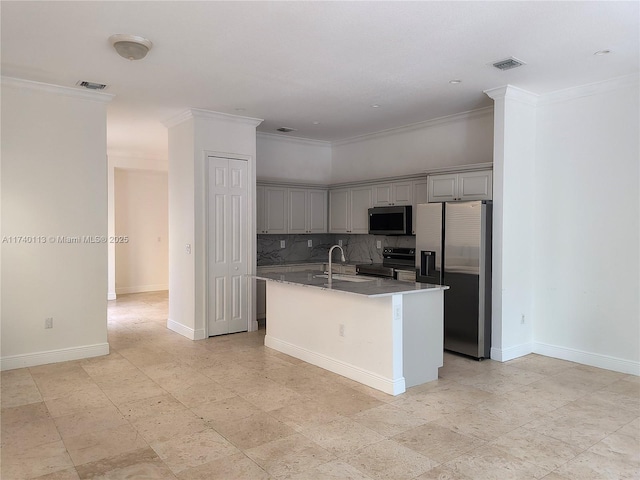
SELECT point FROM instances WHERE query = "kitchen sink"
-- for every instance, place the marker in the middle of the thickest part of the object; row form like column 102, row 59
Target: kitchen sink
column 346, row 278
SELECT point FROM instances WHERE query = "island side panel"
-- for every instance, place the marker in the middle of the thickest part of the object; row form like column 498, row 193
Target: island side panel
column 423, row 336
column 306, row 323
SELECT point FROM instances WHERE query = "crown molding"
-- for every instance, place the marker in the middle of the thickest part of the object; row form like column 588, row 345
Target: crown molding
column 590, row 89
column 457, row 117
column 513, row 93
column 297, row 140
column 210, row 115
column 22, row 84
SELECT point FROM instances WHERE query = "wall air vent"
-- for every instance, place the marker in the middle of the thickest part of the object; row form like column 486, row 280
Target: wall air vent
column 286, row 129
column 508, row 63
column 91, row 85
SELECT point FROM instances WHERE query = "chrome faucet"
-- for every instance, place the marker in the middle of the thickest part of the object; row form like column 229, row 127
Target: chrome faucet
column 330, row 272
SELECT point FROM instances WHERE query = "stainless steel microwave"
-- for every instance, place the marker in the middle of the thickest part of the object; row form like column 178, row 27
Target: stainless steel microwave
column 394, row 220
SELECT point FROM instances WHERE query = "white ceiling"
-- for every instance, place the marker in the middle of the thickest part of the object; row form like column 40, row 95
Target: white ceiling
column 295, row 63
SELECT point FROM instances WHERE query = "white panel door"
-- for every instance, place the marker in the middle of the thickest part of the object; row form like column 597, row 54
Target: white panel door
column 227, row 246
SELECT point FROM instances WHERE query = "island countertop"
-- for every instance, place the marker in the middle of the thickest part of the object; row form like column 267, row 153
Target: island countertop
column 355, row 285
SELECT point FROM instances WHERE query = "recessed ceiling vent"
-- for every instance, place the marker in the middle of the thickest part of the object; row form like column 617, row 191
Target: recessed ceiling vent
column 286, row 129
column 91, row 85
column 508, row 63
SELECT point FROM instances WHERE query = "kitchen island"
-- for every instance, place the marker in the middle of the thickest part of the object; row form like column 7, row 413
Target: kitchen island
column 380, row 332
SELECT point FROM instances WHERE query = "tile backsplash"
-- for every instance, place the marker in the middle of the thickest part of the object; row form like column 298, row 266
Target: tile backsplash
column 357, row 248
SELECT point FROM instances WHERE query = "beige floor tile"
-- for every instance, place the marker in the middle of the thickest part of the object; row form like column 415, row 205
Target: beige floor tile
column 585, row 378
column 139, row 464
column 501, row 381
column 288, row 456
column 591, row 466
column 89, row 420
column 188, row 451
column 271, row 396
column 18, row 388
column 304, row 413
column 234, row 467
column 254, row 430
column 581, row 423
column 150, row 407
column 55, row 383
column 540, row 364
column 35, row 461
column 163, row 427
column 535, row 448
column 27, row 426
column 443, row 472
column 66, row 474
column 199, row 393
column 131, row 391
column 343, row 436
column 388, row 420
column 224, row 411
column 437, row 443
column 114, row 363
column 619, row 447
column 490, row 463
column 90, row 447
column 482, row 422
column 389, row 460
column 334, row 470
column 346, row 401
column 89, row 398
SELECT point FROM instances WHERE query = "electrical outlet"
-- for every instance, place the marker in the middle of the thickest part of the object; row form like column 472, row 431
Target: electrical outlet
column 341, row 330
column 309, row 243
column 48, row 322
column 282, row 243
column 522, row 319
column 187, row 249
column 339, row 243
column 379, row 243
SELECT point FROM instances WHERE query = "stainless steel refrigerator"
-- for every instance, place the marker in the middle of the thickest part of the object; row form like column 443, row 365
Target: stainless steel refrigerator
column 453, row 247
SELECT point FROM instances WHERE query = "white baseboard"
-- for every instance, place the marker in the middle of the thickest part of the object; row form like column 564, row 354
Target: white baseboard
column 53, row 356
column 506, row 354
column 587, row 358
column 111, row 295
column 387, row 385
column 142, row 288
column 185, row 331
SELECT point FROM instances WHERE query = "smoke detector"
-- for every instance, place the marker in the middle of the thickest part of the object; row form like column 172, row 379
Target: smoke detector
column 286, row 129
column 508, row 63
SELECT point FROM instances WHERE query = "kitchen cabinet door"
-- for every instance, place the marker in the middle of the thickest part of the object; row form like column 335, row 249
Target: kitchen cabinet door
column 276, row 217
column 463, row 186
column 317, row 211
column 339, row 205
column 475, row 185
column 395, row 193
column 298, row 209
column 260, row 210
column 361, row 201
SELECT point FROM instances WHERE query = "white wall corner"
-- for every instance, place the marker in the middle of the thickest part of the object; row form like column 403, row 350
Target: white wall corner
column 208, row 114
column 185, row 331
column 513, row 93
column 516, row 351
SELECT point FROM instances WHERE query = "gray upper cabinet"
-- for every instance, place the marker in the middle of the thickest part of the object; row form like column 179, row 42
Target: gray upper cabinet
column 464, row 186
column 307, row 210
column 393, row 193
column 349, row 209
column 271, row 210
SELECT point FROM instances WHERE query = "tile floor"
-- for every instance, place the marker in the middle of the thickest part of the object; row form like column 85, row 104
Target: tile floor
column 163, row 407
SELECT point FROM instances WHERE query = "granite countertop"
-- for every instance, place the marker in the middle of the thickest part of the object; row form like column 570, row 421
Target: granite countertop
column 376, row 287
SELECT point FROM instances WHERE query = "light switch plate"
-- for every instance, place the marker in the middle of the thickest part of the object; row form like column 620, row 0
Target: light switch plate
column 340, row 243
column 282, row 243
column 379, row 243
column 309, row 243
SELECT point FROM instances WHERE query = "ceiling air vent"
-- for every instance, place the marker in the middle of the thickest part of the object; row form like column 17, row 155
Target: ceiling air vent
column 508, row 63
column 286, row 129
column 91, row 85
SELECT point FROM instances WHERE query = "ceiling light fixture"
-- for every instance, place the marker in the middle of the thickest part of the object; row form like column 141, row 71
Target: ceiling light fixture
column 375, row 105
column 455, row 82
column 316, row 123
column 600, row 53
column 131, row 47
